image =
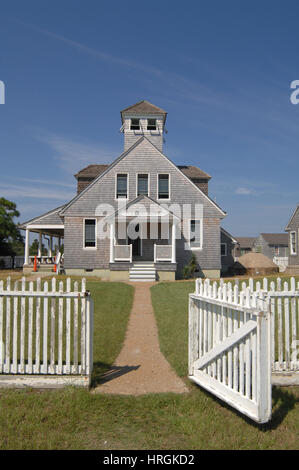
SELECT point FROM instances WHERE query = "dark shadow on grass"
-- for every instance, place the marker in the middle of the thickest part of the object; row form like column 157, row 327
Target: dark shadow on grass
column 103, row 373
column 283, row 402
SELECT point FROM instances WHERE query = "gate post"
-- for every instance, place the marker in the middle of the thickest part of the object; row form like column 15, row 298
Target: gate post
column 264, row 386
column 193, row 334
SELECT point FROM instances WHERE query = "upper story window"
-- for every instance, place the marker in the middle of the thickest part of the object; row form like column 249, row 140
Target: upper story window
column 293, row 243
column 163, row 186
column 142, row 185
column 90, row 233
column 195, row 233
column 122, row 186
column 135, row 124
column 151, row 125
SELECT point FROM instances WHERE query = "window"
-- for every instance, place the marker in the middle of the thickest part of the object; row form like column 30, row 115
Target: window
column 195, row 234
column 151, row 125
column 135, row 125
column 122, row 186
column 142, row 185
column 90, row 233
column 293, row 243
column 163, row 186
column 223, row 249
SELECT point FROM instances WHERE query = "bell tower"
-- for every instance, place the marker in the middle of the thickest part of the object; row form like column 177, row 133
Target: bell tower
column 143, row 119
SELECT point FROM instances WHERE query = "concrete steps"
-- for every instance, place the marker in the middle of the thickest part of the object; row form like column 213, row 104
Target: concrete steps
column 143, row 272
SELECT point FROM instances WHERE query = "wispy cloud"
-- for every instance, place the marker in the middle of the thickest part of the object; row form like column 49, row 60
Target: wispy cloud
column 244, row 191
column 129, row 63
column 71, row 155
column 13, row 191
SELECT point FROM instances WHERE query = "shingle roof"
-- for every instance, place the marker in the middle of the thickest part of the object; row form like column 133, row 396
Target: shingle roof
column 245, row 242
column 92, row 171
column 276, row 238
column 193, row 172
column 143, row 107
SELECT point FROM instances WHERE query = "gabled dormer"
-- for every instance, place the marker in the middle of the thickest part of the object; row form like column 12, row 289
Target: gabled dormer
column 143, row 119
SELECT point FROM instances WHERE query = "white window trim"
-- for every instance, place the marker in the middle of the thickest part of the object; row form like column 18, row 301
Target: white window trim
column 195, row 248
column 90, row 248
column 293, row 253
column 148, row 183
column 128, row 186
column 225, row 251
column 169, row 187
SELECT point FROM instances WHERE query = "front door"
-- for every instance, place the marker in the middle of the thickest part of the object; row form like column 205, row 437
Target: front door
column 136, row 244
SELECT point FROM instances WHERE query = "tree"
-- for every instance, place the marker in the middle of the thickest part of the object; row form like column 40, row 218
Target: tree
column 33, row 250
column 10, row 234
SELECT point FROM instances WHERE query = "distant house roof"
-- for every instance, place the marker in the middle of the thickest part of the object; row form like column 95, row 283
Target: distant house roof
column 256, row 260
column 245, row 242
column 92, row 171
column 276, row 238
column 143, row 107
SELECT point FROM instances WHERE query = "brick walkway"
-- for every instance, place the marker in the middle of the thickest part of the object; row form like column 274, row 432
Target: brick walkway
column 140, row 367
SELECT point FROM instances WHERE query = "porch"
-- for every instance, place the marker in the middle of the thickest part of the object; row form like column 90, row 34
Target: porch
column 50, row 234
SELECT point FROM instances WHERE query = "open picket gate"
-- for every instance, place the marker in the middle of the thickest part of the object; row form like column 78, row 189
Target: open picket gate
column 230, row 347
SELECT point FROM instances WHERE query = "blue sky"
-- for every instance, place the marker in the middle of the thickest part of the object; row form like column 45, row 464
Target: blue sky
column 222, row 71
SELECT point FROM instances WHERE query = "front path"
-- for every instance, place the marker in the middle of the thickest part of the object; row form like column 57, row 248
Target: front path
column 140, row 367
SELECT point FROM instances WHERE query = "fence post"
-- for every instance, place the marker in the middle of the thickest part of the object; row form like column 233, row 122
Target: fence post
column 89, row 335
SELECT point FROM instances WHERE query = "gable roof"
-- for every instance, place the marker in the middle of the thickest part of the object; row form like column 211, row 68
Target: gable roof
column 291, row 219
column 276, row 238
column 246, row 242
column 143, row 107
column 225, row 232
column 149, row 203
column 48, row 218
column 120, row 158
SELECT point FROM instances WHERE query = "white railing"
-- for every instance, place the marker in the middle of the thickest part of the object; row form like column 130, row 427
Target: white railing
column 282, row 262
column 46, row 331
column 229, row 347
column 162, row 253
column 42, row 259
column 123, row 253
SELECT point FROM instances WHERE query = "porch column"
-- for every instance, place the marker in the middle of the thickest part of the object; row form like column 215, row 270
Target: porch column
column 26, row 258
column 40, row 244
column 59, row 243
column 173, row 246
column 50, row 246
column 112, row 235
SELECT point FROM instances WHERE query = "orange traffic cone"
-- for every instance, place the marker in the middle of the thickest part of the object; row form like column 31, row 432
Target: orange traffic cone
column 55, row 268
column 35, row 265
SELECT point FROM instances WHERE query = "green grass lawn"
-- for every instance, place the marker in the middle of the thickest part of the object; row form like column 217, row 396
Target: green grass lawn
column 77, row 419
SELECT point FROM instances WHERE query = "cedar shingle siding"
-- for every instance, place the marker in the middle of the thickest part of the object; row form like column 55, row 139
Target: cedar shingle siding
column 293, row 226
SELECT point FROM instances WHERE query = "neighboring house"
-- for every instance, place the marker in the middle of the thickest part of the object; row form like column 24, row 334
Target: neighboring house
column 272, row 244
column 227, row 249
column 293, row 238
column 139, row 217
column 244, row 245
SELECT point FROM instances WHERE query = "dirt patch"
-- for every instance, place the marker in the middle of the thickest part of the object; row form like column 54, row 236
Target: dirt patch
column 140, row 367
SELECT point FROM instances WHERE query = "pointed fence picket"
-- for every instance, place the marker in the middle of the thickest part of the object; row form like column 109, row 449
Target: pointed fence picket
column 42, row 331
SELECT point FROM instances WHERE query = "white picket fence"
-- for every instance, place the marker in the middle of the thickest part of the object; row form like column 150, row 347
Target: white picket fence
column 243, row 337
column 282, row 299
column 46, row 332
column 229, row 347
